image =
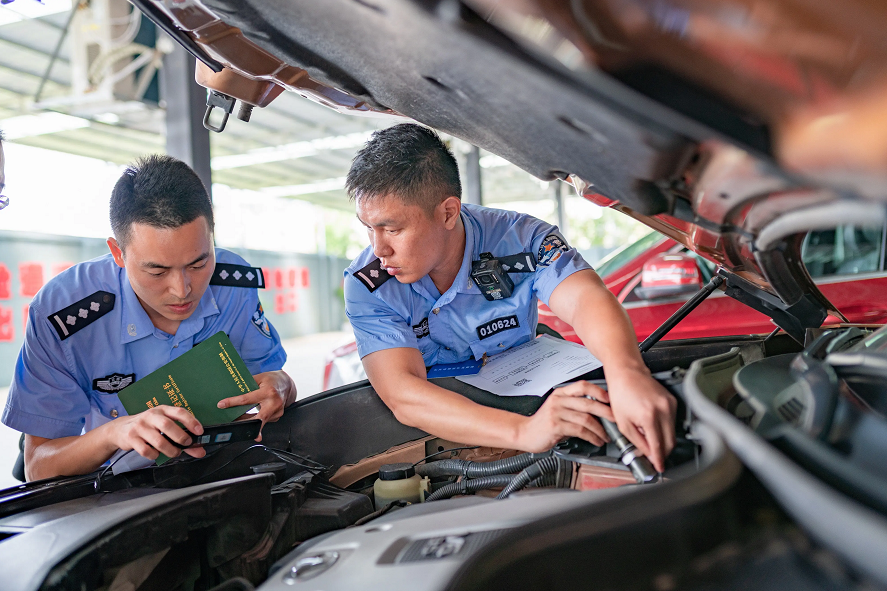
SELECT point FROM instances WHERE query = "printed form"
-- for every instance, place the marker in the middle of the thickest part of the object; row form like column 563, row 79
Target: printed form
column 533, row 368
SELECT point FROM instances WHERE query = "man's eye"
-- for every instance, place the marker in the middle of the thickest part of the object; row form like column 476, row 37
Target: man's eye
column 196, row 267
column 156, row 274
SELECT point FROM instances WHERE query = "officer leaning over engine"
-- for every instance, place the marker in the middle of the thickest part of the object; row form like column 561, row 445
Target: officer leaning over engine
column 405, row 183
column 102, row 324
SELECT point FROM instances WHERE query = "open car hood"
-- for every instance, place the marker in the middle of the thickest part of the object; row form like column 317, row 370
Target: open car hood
column 732, row 126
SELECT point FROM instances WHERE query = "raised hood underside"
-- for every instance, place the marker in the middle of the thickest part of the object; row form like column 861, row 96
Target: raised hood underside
column 732, row 126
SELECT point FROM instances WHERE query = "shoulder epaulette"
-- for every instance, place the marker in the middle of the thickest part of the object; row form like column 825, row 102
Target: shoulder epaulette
column 238, row 276
column 373, row 275
column 79, row 315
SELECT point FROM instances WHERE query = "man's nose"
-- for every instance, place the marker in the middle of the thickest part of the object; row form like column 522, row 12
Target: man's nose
column 180, row 284
column 381, row 248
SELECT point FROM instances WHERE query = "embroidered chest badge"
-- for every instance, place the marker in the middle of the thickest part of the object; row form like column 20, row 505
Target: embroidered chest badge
column 421, row 330
column 113, row 383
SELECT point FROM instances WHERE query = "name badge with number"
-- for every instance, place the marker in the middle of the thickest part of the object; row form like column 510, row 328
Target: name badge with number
column 496, row 326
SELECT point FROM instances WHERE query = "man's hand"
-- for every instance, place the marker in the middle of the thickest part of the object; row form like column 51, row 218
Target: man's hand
column 644, row 410
column 645, row 413
column 276, row 391
column 144, row 432
column 567, row 413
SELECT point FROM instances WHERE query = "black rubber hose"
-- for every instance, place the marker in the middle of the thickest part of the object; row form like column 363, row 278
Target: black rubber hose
column 549, row 480
column 455, row 467
column 467, row 486
column 530, row 473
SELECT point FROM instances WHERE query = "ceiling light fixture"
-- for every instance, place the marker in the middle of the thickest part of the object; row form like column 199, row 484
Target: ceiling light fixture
column 31, row 125
column 291, row 151
column 305, row 189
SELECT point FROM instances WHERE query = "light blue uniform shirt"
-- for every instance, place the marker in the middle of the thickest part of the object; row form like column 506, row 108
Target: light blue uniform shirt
column 60, row 387
column 461, row 323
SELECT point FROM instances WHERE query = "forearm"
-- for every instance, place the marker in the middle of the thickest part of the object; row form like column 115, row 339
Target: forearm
column 611, row 339
column 67, row 456
column 451, row 416
column 607, row 332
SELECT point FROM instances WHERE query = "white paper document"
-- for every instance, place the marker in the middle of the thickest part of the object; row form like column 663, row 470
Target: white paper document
column 533, row 368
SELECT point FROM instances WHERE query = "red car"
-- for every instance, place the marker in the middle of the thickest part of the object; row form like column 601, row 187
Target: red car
column 654, row 276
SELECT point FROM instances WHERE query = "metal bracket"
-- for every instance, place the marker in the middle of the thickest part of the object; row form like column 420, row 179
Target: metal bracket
column 793, row 319
column 222, row 101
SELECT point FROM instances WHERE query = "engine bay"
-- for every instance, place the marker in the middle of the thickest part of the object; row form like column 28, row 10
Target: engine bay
column 294, row 509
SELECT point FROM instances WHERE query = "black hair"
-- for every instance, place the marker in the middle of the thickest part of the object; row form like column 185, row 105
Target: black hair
column 161, row 192
column 2, row 136
column 407, row 161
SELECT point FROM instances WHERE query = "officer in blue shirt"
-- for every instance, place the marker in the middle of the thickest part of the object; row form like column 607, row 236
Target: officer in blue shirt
column 100, row 325
column 412, row 304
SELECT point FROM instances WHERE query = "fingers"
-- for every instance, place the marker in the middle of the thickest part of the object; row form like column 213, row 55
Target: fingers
column 250, row 398
column 160, row 443
column 145, row 432
column 195, row 452
column 269, row 400
column 638, row 438
column 571, row 416
column 580, row 424
column 583, row 388
column 176, row 413
column 586, row 405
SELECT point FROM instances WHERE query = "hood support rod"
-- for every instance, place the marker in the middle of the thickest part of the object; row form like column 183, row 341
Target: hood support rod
column 681, row 313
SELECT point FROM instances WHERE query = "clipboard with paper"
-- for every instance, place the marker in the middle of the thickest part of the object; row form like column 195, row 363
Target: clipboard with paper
column 534, row 368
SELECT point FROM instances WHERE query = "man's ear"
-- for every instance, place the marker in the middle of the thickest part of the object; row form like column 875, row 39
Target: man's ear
column 116, row 252
column 450, row 208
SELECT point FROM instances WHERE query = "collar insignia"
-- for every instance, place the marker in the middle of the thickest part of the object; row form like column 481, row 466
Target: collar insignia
column 237, row 276
column 373, row 275
column 79, row 315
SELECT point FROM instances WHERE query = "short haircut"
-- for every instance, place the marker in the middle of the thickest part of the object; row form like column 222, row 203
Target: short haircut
column 161, row 192
column 407, row 161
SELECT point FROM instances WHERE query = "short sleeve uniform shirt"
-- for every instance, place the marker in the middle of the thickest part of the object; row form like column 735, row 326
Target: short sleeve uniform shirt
column 460, row 324
column 88, row 337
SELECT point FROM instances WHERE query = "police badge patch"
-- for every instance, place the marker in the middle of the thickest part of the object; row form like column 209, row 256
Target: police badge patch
column 553, row 246
column 113, row 383
column 260, row 322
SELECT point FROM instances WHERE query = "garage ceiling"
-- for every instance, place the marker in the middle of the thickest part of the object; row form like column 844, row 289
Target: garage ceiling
column 292, row 148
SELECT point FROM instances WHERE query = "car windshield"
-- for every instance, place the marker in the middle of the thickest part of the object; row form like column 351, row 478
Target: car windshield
column 621, row 256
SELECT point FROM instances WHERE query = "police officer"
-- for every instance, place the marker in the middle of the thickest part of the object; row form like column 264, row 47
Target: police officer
column 412, row 304
column 100, row 325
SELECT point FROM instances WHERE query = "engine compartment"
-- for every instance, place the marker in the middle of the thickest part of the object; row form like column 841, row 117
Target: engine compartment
column 294, row 509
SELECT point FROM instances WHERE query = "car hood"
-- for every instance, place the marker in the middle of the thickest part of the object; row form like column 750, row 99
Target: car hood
column 732, row 126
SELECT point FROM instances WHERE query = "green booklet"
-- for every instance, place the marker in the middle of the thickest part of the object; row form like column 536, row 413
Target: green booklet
column 197, row 381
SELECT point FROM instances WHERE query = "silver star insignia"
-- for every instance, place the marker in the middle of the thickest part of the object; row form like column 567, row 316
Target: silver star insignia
column 250, row 275
column 374, row 274
column 83, row 313
column 223, row 274
column 237, row 274
column 94, row 306
column 71, row 320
